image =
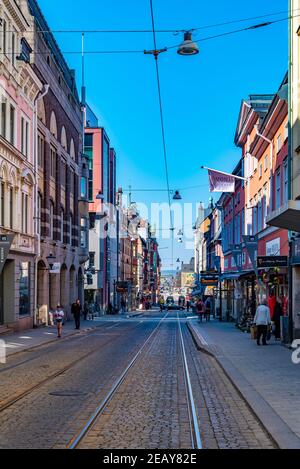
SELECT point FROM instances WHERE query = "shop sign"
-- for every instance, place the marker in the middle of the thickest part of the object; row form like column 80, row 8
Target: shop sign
column 271, row 261
column 5, row 244
column 122, row 287
column 209, row 280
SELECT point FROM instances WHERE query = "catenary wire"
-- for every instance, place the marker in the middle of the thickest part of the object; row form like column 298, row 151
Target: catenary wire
column 208, row 38
column 175, row 30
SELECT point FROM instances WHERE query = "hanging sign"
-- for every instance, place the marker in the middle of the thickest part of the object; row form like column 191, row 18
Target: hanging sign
column 5, row 244
column 220, row 182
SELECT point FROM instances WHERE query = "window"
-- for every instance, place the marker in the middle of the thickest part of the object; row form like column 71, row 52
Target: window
column 12, row 125
column 286, row 131
column 39, row 213
column 24, row 137
column 11, row 208
column 24, row 289
column 62, row 217
column 266, row 162
column 24, row 213
column 83, row 233
column 285, row 181
column 259, row 212
column 41, row 150
column 63, row 174
column 71, row 229
column 2, row 208
column 3, row 117
column 265, row 205
column 51, row 234
column 260, row 171
column 278, row 143
column 52, row 162
column 83, row 188
column 13, row 49
column 4, row 36
column 278, row 189
column 91, row 260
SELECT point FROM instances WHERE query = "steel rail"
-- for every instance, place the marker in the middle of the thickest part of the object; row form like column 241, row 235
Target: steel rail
column 190, row 396
column 74, row 442
column 8, row 403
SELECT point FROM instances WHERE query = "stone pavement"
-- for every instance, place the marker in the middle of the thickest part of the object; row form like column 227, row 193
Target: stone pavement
column 265, row 376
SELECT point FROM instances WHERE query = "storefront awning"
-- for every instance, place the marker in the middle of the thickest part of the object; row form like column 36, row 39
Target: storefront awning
column 229, row 275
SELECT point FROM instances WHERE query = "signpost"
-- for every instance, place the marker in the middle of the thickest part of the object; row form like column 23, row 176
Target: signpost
column 5, row 244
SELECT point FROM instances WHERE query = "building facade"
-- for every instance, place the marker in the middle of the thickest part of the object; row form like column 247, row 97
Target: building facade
column 61, row 204
column 20, row 87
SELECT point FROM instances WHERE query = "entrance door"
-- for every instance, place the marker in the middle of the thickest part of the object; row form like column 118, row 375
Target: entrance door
column 1, row 301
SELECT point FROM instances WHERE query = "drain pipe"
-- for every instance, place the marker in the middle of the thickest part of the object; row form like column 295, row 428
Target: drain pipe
column 36, row 185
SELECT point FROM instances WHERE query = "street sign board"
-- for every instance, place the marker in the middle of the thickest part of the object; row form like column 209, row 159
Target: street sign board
column 5, row 244
column 209, row 280
column 122, row 287
column 271, row 261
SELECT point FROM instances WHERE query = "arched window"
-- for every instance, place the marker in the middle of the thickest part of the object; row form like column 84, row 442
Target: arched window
column 63, row 138
column 72, row 149
column 53, row 125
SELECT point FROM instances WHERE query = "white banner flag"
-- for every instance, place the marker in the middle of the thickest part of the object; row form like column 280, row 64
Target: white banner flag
column 220, row 182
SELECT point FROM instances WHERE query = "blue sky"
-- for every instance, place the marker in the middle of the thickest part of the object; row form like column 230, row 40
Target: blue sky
column 201, row 94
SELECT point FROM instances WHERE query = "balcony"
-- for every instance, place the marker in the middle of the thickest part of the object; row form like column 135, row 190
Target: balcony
column 287, row 216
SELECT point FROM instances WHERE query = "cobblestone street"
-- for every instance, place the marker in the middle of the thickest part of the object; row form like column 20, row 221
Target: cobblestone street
column 49, row 393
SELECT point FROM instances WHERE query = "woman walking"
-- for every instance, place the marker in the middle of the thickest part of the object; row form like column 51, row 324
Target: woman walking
column 278, row 312
column 59, row 318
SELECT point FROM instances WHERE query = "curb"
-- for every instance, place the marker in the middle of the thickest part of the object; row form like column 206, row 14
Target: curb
column 276, row 428
column 50, row 341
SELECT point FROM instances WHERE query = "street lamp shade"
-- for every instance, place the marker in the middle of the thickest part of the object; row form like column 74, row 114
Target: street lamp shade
column 177, row 196
column 178, row 260
column 99, row 196
column 188, row 47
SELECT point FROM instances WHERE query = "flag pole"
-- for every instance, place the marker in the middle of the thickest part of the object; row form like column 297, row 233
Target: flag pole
column 226, row 174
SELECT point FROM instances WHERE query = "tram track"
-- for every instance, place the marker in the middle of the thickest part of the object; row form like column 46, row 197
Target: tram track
column 195, row 437
column 11, row 401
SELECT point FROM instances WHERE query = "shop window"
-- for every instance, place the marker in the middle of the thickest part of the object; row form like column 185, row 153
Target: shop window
column 24, row 298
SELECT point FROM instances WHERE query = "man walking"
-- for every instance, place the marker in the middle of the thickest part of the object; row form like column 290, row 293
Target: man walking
column 262, row 320
column 76, row 311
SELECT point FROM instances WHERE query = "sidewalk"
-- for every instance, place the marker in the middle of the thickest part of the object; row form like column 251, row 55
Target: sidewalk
column 265, row 376
column 19, row 341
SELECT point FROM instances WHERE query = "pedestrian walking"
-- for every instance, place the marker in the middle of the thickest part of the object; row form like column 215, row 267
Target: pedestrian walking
column 85, row 310
column 207, row 309
column 200, row 308
column 59, row 318
column 278, row 312
column 188, row 305
column 262, row 320
column 110, row 308
column 123, row 305
column 76, row 311
column 161, row 303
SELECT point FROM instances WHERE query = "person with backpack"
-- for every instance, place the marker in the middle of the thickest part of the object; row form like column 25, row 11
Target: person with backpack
column 207, row 308
column 59, row 318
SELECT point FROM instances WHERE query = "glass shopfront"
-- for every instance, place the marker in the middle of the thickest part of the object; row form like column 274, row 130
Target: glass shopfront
column 24, row 309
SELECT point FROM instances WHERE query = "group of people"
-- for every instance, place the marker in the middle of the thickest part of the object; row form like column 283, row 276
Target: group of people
column 203, row 309
column 76, row 310
column 268, row 312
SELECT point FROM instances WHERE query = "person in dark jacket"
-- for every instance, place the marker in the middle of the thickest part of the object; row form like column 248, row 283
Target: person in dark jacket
column 276, row 318
column 76, row 311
